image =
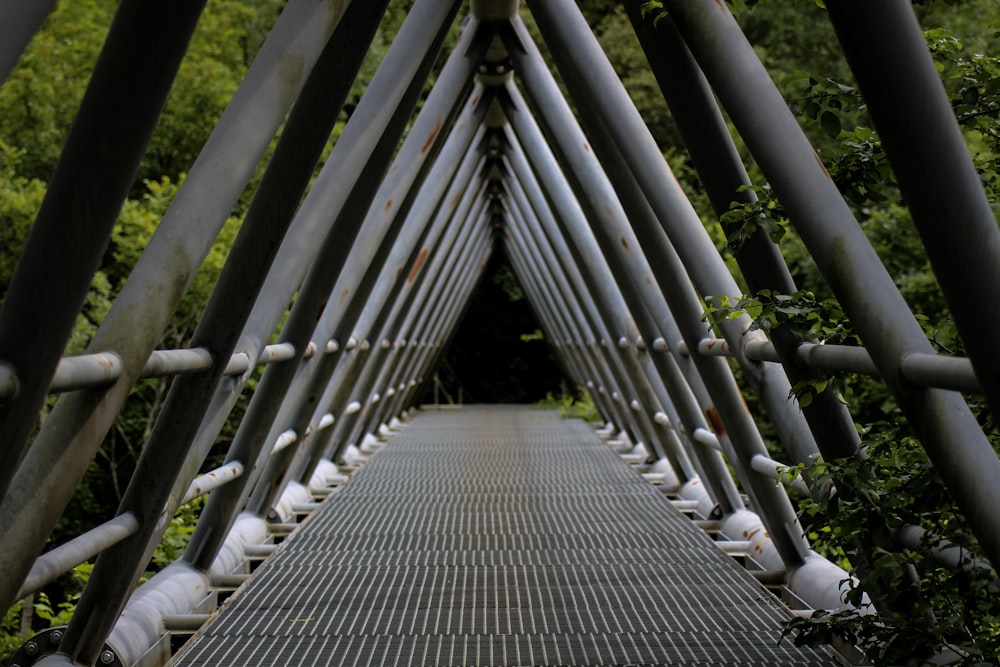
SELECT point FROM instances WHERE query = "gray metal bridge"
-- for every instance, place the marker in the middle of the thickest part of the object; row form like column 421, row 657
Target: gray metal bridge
column 564, row 554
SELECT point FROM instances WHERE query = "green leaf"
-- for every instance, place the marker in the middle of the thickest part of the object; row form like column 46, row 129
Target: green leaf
column 830, row 122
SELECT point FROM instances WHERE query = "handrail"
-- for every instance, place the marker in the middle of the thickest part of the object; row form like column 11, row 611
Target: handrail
column 924, row 370
column 101, row 369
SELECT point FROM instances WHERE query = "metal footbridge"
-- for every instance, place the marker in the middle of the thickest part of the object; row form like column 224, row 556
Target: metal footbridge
column 498, row 536
column 478, row 536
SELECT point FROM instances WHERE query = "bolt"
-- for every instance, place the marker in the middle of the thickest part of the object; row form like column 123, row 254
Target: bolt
column 107, row 657
column 56, row 636
column 31, row 648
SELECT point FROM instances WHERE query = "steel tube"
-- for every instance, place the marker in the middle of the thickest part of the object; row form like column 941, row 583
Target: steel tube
column 429, row 324
column 437, row 203
column 21, row 20
column 888, row 54
column 941, row 419
column 468, row 209
column 525, row 178
column 530, row 201
column 721, row 170
column 53, row 564
column 95, row 170
column 91, row 370
column 213, row 479
column 554, row 285
column 675, row 235
column 441, row 320
column 169, row 459
column 462, row 194
column 606, row 363
column 73, row 430
column 380, row 287
column 589, row 253
column 777, row 511
column 368, row 281
column 567, row 282
column 386, row 106
column 383, row 325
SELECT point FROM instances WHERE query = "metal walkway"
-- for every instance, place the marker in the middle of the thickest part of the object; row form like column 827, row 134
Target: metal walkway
column 497, row 536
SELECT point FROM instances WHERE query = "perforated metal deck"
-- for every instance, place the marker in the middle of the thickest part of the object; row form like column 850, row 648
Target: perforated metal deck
column 497, row 536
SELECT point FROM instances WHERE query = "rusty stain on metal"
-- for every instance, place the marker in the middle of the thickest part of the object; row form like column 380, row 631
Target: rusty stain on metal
column 433, row 135
column 624, row 243
column 649, row 280
column 417, row 265
column 343, row 295
column 715, row 420
column 747, row 534
column 821, row 165
column 388, row 206
column 586, row 146
column 394, row 168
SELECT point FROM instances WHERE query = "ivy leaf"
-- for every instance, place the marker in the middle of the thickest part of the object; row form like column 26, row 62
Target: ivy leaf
column 830, row 122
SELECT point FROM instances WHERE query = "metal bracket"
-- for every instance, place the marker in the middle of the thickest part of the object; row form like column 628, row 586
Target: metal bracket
column 47, row 643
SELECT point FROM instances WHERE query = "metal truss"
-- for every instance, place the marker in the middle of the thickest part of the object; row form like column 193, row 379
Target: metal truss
column 369, row 264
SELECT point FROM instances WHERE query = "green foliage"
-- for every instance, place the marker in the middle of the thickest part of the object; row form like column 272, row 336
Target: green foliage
column 927, row 608
column 10, row 632
column 20, row 199
column 810, row 318
column 178, row 534
column 570, row 406
column 745, row 218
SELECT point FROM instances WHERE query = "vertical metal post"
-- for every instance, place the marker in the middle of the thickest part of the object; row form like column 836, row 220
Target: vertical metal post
column 943, row 422
column 886, row 50
column 131, row 79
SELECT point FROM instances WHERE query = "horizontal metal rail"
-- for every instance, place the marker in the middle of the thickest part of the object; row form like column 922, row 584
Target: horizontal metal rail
column 52, row 565
column 924, row 370
column 104, row 368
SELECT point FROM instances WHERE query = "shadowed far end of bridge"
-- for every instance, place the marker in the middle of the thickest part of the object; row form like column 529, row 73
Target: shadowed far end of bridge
column 493, row 535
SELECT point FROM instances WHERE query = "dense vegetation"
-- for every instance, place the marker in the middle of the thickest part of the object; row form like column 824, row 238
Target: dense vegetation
column 797, row 45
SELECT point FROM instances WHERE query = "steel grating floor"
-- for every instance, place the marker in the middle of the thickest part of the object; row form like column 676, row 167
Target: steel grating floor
column 497, row 536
